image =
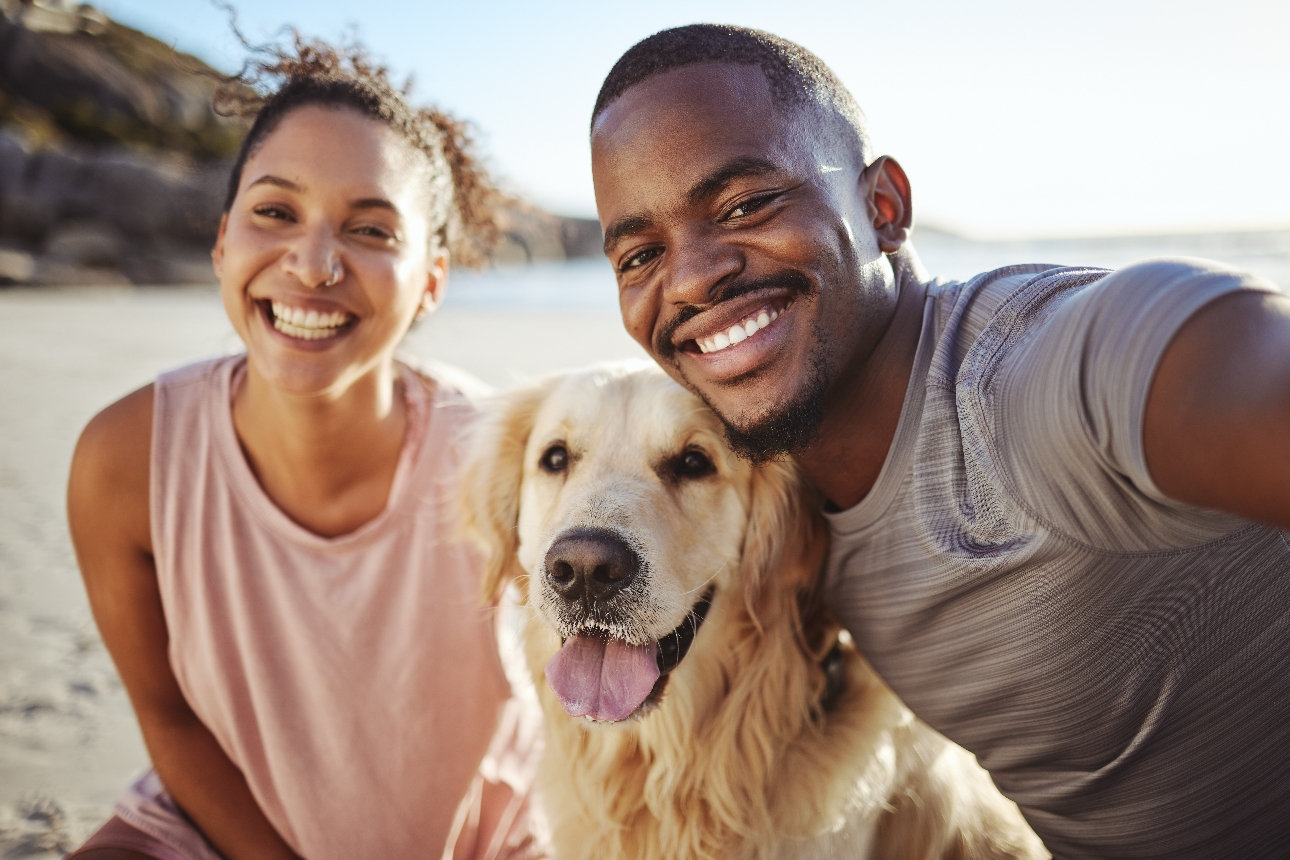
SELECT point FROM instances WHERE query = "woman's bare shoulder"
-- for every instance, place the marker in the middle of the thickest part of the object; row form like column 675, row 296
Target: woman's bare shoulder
column 111, row 468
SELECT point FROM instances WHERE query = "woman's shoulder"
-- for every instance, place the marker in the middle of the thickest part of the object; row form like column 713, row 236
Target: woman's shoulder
column 446, row 383
column 111, row 465
column 122, row 432
column 112, row 462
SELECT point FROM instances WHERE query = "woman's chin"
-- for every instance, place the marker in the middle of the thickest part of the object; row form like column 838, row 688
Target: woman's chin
column 303, row 374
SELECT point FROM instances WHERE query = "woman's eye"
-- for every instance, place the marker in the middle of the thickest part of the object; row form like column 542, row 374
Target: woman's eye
column 694, row 464
column 556, row 459
column 375, row 232
column 275, row 212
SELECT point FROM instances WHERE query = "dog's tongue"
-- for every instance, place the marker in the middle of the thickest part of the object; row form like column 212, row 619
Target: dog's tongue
column 602, row 679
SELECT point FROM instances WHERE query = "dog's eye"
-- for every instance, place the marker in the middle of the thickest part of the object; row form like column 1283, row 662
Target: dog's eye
column 693, row 464
column 556, row 459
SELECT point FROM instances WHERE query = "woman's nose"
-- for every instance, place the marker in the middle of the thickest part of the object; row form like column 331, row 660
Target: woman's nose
column 314, row 258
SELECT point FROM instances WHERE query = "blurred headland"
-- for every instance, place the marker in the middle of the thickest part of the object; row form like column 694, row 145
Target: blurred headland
column 113, row 168
column 113, row 164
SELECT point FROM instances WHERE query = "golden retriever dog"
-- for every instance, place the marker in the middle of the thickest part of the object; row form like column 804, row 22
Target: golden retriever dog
column 698, row 700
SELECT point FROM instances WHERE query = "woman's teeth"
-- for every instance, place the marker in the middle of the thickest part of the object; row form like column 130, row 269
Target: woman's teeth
column 307, row 325
column 739, row 332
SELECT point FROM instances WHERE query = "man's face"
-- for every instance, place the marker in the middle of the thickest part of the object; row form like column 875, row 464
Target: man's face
column 742, row 240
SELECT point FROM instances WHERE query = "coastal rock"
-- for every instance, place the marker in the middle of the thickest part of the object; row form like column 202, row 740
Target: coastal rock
column 114, row 165
column 101, row 82
column 530, row 235
column 89, row 243
column 16, row 267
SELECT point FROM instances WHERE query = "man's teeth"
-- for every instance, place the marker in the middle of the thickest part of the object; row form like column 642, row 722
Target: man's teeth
column 307, row 325
column 739, row 332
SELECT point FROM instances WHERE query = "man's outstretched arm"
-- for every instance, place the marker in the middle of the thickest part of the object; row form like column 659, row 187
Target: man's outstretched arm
column 1217, row 424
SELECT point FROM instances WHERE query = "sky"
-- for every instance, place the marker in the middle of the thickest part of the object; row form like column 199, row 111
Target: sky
column 1013, row 118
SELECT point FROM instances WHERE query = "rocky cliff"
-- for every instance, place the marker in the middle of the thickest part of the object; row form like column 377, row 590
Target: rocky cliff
column 113, row 164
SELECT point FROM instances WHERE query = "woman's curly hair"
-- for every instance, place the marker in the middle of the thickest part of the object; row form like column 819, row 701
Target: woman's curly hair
column 464, row 201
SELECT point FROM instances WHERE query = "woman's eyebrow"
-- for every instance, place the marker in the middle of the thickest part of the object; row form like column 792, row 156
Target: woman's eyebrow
column 373, row 203
column 361, row 203
column 277, row 181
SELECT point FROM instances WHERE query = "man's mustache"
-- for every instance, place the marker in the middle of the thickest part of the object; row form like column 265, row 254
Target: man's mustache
column 790, row 280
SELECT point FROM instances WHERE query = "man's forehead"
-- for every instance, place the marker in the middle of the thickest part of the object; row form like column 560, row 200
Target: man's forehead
column 682, row 125
column 717, row 101
column 723, row 87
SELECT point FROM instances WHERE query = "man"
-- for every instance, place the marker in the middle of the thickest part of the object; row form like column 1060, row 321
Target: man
column 1057, row 496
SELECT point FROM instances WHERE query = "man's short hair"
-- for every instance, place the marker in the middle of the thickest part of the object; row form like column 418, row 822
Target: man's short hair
column 797, row 78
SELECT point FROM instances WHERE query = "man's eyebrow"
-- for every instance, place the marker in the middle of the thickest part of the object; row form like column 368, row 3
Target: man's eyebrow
column 624, row 227
column 736, row 168
column 703, row 189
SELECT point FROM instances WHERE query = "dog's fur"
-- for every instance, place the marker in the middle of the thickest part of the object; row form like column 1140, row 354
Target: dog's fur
column 749, row 753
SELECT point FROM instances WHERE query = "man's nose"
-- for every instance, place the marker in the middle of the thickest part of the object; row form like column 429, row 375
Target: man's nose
column 592, row 564
column 698, row 266
column 314, row 257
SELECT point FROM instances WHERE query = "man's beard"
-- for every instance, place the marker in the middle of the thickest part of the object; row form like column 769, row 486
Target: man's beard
column 787, row 429
column 777, row 431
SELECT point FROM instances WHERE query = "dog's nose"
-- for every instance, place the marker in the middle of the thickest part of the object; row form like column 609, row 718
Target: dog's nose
column 594, row 563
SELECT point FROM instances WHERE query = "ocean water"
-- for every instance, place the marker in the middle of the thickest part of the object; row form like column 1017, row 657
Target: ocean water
column 589, row 284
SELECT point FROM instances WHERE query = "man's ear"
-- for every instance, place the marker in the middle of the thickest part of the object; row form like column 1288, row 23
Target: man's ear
column 890, row 199
column 217, row 253
column 436, row 283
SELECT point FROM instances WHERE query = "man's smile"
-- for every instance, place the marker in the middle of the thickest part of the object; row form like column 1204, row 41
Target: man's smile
column 740, row 331
column 723, row 351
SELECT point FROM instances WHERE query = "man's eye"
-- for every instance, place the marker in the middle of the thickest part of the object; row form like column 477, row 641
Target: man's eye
column 637, row 260
column 555, row 459
column 748, row 207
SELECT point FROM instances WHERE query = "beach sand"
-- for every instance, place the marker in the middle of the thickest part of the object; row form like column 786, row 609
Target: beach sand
column 68, row 740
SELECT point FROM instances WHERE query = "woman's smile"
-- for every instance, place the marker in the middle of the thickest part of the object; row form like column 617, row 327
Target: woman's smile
column 306, row 323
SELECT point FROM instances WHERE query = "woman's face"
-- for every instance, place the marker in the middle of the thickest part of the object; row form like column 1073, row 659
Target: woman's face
column 324, row 258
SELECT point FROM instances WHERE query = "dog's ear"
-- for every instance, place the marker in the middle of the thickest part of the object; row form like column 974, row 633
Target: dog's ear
column 490, row 479
column 785, row 543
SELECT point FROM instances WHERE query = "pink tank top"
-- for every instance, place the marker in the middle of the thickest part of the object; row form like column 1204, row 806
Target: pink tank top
column 354, row 680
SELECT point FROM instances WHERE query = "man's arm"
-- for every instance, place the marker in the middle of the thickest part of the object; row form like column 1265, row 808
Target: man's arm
column 1217, row 425
column 108, row 510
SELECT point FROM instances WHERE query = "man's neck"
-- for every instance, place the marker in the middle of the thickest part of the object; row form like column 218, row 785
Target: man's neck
column 861, row 418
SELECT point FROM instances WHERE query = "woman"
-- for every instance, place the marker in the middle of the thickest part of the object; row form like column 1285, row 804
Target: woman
column 265, row 539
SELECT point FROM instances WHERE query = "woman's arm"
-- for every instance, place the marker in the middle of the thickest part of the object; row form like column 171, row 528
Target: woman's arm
column 108, row 510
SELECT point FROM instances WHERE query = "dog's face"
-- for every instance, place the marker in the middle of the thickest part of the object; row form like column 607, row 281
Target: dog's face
column 612, row 498
column 631, row 512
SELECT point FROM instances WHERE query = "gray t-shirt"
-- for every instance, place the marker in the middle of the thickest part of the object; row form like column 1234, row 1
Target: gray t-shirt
column 1118, row 661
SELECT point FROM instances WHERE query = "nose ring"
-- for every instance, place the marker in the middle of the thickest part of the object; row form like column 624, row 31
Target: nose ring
column 337, row 272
